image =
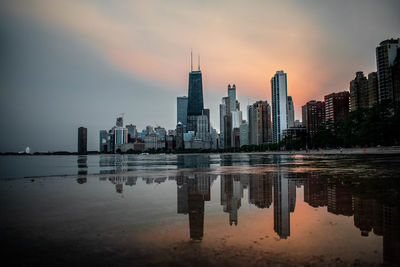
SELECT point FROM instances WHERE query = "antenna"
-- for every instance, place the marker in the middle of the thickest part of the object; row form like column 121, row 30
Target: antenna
column 191, row 60
column 199, row 62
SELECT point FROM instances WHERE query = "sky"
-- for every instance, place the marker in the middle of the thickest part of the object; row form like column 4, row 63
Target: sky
column 68, row 63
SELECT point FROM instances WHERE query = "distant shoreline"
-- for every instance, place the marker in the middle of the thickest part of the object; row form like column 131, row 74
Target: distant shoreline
column 343, row 151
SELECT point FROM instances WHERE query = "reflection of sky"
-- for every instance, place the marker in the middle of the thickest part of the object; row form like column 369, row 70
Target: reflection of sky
column 145, row 214
column 71, row 63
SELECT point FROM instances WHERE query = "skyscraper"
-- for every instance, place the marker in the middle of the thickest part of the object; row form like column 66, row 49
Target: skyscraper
column 195, row 98
column 223, row 111
column 359, row 92
column 337, row 106
column 132, row 133
column 279, row 105
column 179, row 136
column 82, row 141
column 304, row 115
column 103, row 141
column 232, row 97
column 290, row 112
column 386, row 54
column 259, row 120
column 315, row 116
column 181, row 109
column 372, row 89
column 120, row 122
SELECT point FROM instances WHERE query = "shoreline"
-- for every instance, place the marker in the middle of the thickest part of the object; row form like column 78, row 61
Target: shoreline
column 344, row 151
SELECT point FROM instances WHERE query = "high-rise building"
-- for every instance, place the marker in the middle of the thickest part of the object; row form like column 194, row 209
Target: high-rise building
column 120, row 122
column 82, row 141
column 179, row 136
column 236, row 119
column 103, row 141
column 279, row 105
column 290, row 107
column 236, row 138
column 304, row 115
column 315, row 116
column 202, row 128
column 259, row 120
column 386, row 54
column 206, row 112
column 195, row 98
column 223, row 111
column 120, row 137
column 396, row 79
column 359, row 92
column 337, row 106
column 149, row 129
column 228, row 130
column 372, row 89
column 232, row 97
column 160, row 132
column 181, row 109
column 132, row 133
column 244, row 134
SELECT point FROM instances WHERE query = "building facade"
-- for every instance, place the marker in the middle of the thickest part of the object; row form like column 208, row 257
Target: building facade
column 337, row 106
column 359, row 92
column 259, row 123
column 195, row 99
column 290, row 111
column 82, row 141
column 279, row 105
column 315, row 116
column 103, row 141
column 373, row 89
column 181, row 109
column 386, row 54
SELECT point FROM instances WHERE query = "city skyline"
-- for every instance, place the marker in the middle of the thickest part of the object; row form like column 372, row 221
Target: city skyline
column 64, row 71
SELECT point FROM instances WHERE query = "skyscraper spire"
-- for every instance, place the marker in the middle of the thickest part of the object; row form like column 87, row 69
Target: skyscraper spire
column 199, row 62
column 191, row 59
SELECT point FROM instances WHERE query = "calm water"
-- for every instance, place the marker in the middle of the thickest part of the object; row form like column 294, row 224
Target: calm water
column 240, row 209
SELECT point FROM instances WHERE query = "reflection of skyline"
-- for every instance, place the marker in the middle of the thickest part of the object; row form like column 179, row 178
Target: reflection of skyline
column 278, row 188
column 284, row 202
column 231, row 195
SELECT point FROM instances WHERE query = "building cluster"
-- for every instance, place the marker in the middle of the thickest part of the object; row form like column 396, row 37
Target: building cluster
column 382, row 86
column 126, row 138
column 266, row 123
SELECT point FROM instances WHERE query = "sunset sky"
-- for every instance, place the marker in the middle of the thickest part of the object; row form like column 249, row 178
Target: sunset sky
column 67, row 63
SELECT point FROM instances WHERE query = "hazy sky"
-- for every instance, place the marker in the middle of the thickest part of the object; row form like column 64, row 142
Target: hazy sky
column 67, row 63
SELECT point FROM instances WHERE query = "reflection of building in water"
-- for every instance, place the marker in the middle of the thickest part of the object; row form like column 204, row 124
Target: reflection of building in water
column 81, row 180
column 391, row 235
column 284, row 202
column 82, row 165
column 315, row 191
column 231, row 194
column 364, row 214
column 113, row 163
column 182, row 195
column 131, row 180
column 196, row 161
column 339, row 199
column 260, row 190
column 160, row 180
column 120, row 180
column 292, row 195
column 192, row 192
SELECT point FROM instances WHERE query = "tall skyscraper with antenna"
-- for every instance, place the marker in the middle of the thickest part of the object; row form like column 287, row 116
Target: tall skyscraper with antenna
column 195, row 96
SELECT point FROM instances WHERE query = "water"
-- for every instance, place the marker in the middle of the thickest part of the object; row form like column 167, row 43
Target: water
column 238, row 209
